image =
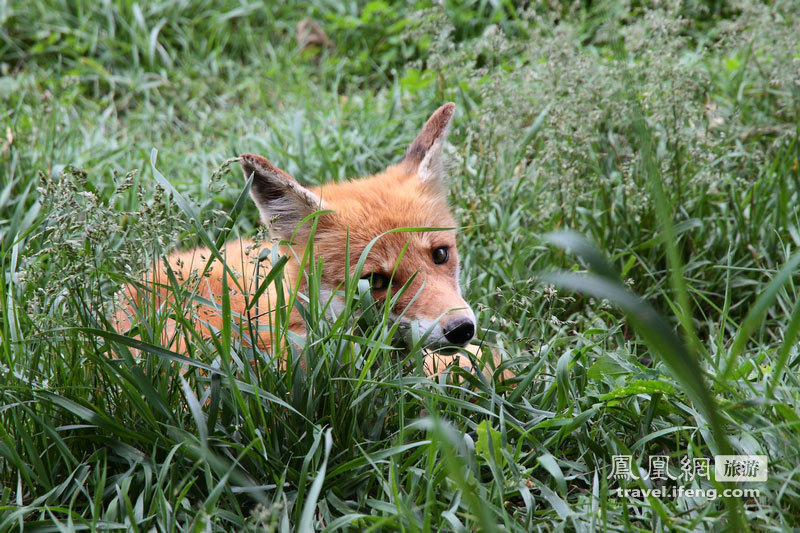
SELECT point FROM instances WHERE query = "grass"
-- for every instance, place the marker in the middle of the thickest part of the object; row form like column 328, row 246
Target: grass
column 666, row 137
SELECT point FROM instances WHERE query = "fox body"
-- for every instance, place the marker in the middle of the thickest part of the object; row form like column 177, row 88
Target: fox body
column 409, row 194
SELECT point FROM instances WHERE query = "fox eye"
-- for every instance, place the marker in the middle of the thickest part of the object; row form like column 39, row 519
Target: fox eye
column 378, row 282
column 441, row 255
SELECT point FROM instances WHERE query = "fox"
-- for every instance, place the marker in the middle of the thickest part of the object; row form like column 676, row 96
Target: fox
column 411, row 193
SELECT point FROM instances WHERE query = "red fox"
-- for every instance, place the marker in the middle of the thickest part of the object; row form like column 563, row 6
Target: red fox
column 411, row 193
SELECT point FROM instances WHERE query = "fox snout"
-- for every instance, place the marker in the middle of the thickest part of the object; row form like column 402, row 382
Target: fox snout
column 454, row 329
column 453, row 323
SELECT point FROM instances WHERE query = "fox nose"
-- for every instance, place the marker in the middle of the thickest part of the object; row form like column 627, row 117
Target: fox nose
column 460, row 331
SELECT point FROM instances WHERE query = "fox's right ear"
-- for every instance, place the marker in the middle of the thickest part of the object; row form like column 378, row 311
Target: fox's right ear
column 282, row 201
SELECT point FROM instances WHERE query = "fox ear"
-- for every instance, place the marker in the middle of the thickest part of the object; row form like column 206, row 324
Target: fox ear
column 424, row 156
column 282, row 202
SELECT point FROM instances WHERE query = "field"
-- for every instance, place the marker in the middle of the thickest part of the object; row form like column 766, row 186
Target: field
column 626, row 178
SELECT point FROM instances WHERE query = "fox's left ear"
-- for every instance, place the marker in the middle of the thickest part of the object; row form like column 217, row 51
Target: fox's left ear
column 424, row 156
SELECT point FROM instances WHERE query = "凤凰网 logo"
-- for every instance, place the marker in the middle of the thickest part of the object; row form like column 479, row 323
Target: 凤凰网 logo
column 735, row 468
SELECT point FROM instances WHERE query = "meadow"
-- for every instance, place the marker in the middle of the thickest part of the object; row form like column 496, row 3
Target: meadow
column 626, row 178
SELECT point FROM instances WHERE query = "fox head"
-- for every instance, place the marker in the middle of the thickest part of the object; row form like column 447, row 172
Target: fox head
column 411, row 193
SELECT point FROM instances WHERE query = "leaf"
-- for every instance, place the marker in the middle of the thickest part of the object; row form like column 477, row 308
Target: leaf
column 562, row 378
column 574, row 242
column 489, row 443
column 310, row 505
column 605, row 366
column 550, row 464
column 640, row 387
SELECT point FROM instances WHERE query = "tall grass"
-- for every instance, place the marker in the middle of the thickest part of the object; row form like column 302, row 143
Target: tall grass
column 665, row 135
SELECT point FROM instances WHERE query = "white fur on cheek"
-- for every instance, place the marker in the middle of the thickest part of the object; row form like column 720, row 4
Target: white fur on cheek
column 336, row 305
column 436, row 337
